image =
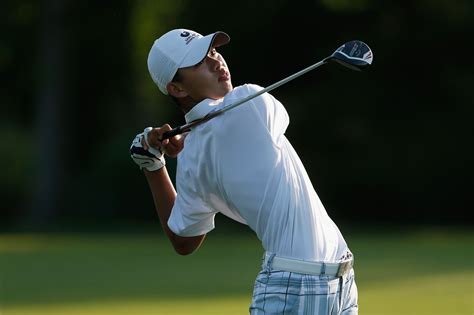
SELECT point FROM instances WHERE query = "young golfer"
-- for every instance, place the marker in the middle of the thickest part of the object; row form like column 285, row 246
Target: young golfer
column 242, row 165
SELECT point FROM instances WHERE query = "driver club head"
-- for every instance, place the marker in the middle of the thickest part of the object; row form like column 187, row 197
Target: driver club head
column 354, row 55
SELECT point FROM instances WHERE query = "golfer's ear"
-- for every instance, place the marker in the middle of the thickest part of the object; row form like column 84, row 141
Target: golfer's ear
column 175, row 89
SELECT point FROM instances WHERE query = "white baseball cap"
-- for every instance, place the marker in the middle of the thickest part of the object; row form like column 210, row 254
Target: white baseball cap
column 179, row 48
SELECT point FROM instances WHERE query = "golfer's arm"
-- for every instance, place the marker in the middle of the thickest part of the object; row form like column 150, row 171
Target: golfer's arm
column 164, row 196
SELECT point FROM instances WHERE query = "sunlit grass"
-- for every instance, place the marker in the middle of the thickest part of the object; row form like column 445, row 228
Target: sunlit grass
column 438, row 294
column 398, row 272
column 209, row 305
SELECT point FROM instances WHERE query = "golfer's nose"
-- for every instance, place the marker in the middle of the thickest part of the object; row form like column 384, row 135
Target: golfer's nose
column 216, row 64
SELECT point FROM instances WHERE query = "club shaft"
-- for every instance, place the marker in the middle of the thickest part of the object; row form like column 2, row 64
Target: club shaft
column 188, row 126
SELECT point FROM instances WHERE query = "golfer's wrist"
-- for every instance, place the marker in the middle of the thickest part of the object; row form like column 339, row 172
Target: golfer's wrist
column 158, row 164
column 154, row 172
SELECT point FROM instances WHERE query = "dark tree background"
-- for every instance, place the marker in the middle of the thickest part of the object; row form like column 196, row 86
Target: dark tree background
column 392, row 144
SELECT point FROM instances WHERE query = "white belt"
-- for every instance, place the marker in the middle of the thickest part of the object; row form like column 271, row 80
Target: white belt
column 310, row 267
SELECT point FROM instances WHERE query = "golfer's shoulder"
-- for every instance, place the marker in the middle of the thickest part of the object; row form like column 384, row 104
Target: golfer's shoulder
column 245, row 90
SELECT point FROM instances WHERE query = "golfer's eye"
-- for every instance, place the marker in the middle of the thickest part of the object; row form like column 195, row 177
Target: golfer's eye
column 213, row 52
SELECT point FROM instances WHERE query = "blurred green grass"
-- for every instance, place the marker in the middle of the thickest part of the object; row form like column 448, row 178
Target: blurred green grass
column 402, row 271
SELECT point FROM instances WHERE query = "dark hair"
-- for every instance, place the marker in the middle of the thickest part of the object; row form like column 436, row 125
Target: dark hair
column 177, row 77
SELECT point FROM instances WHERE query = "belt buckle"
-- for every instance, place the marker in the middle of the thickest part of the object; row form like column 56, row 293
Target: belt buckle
column 344, row 267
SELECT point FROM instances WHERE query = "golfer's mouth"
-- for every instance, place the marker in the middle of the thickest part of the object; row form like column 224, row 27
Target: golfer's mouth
column 224, row 77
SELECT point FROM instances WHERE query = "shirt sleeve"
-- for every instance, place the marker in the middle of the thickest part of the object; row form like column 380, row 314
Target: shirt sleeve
column 190, row 216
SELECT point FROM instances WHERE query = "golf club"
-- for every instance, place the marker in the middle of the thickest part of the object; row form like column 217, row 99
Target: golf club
column 354, row 55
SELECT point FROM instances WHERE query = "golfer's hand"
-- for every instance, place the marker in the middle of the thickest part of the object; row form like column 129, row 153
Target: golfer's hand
column 144, row 155
column 172, row 146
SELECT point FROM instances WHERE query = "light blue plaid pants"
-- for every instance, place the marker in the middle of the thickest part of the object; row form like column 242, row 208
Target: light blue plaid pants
column 282, row 292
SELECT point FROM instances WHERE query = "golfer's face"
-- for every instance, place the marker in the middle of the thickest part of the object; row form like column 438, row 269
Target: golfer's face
column 208, row 79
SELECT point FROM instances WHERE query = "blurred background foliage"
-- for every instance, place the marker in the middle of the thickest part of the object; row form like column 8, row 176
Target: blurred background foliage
column 391, row 144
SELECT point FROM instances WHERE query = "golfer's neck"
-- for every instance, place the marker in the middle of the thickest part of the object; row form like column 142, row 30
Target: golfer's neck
column 186, row 104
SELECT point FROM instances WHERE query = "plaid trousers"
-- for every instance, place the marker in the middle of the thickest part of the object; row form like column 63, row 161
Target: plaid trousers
column 283, row 292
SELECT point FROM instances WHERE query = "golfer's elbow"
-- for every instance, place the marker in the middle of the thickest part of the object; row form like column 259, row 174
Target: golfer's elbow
column 187, row 245
column 182, row 248
column 184, row 251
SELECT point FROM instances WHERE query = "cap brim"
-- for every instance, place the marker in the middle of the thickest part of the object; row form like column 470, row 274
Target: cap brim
column 200, row 48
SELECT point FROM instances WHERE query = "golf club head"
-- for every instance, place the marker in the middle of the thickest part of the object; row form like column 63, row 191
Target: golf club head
column 354, row 55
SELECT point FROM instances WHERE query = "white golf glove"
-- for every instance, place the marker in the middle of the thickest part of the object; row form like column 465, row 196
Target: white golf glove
column 151, row 159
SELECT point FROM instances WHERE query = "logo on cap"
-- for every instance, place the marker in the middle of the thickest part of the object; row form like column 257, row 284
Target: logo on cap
column 184, row 34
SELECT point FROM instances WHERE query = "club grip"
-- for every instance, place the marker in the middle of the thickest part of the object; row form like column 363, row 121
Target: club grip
column 171, row 133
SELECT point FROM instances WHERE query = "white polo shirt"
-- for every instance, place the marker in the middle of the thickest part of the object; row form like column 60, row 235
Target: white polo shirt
column 241, row 165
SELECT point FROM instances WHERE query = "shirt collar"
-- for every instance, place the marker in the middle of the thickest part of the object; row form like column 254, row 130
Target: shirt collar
column 202, row 108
